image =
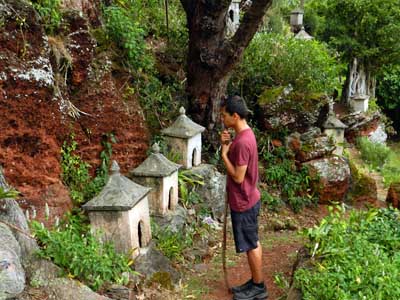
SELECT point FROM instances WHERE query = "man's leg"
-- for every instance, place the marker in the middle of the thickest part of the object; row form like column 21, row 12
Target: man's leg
column 254, row 258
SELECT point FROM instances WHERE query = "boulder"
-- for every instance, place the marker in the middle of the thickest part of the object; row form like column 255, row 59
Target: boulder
column 67, row 289
column 310, row 145
column 333, row 175
column 363, row 187
column 12, row 275
column 282, row 108
column 154, row 266
column 360, row 124
column 11, row 213
column 173, row 220
column 213, row 191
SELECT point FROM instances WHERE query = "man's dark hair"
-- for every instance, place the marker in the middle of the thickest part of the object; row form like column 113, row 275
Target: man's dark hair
column 235, row 104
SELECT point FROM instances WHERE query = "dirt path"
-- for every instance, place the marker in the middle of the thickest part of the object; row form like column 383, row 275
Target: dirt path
column 279, row 253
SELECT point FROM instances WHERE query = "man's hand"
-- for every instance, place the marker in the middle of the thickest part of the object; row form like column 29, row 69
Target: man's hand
column 225, row 142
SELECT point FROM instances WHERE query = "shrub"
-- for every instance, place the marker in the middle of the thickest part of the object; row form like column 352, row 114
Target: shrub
column 172, row 244
column 374, row 154
column 388, row 87
column 75, row 172
column 273, row 60
column 72, row 247
column 354, row 257
column 49, row 11
column 293, row 183
column 127, row 34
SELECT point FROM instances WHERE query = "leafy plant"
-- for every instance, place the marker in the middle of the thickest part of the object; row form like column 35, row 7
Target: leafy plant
column 354, row 256
column 276, row 61
column 75, row 172
column 127, row 33
column 172, row 244
column 187, row 182
column 8, row 193
column 49, row 11
column 72, row 247
column 273, row 203
column 293, row 183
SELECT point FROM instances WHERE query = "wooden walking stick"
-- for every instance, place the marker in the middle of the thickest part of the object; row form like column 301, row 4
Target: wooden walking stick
column 224, row 247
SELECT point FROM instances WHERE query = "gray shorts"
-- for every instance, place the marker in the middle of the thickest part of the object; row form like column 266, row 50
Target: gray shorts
column 245, row 228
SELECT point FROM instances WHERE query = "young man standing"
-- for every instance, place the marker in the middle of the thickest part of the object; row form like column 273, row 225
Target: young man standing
column 240, row 157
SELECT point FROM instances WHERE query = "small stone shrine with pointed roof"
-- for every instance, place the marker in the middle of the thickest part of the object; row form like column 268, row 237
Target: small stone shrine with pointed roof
column 121, row 213
column 161, row 175
column 184, row 137
column 334, row 128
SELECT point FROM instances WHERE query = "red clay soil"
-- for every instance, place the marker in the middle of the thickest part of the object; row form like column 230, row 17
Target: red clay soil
column 33, row 125
column 279, row 255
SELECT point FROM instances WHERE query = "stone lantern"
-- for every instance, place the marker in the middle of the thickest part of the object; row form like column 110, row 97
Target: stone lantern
column 161, row 175
column 184, row 138
column 296, row 19
column 121, row 213
column 359, row 102
column 334, row 128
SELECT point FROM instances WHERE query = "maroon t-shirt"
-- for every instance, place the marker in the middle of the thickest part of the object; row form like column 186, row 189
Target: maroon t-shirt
column 243, row 151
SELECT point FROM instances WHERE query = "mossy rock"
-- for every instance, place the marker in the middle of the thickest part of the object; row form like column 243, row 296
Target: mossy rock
column 162, row 278
column 362, row 183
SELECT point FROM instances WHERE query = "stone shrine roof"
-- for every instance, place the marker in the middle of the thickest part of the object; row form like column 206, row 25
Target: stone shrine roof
column 119, row 193
column 334, row 123
column 156, row 165
column 183, row 127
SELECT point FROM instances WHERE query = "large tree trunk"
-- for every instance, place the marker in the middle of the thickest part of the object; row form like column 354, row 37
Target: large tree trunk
column 359, row 81
column 212, row 56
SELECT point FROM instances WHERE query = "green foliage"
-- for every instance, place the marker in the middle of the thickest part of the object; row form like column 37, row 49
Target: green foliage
column 128, row 24
column 172, row 244
column 150, row 14
column 362, row 28
column 75, row 172
column 388, row 87
column 72, row 247
column 374, row 154
column 157, row 100
column 275, row 61
column 391, row 169
column 8, row 193
column 382, row 158
column 49, row 11
column 127, row 34
column 187, row 181
column 354, row 257
column 273, row 203
column 293, row 183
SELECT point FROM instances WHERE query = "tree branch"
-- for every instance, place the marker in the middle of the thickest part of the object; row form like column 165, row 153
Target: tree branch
column 249, row 25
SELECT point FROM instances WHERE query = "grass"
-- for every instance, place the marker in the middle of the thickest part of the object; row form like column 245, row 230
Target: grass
column 385, row 159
